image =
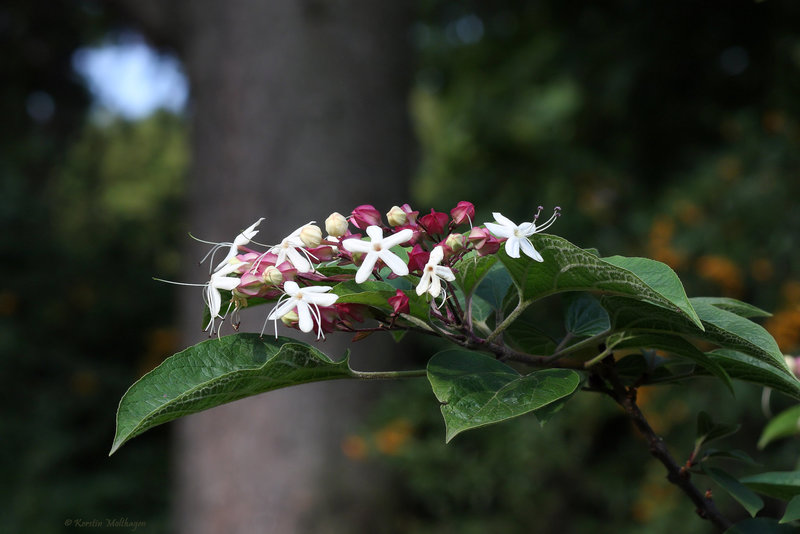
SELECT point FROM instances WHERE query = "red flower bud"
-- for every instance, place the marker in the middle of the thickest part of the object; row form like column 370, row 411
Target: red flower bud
column 417, row 259
column 399, row 302
column 463, row 212
column 365, row 215
column 434, row 222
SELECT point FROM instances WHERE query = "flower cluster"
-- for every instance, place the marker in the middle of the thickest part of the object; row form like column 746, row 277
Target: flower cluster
column 310, row 277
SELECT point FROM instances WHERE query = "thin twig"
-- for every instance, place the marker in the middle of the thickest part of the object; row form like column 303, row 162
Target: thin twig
column 626, row 398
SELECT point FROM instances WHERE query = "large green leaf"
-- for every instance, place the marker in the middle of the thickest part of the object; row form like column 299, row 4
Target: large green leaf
column 760, row 525
column 585, row 316
column 779, row 484
column 722, row 328
column 786, row 423
column 476, row 390
column 743, row 367
column 738, row 307
column 733, row 331
column 678, row 346
column 751, row 502
column 792, row 510
column 218, row 371
column 569, row 268
column 471, row 269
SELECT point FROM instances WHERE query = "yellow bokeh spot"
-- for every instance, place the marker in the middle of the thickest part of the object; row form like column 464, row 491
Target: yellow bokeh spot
column 390, row 439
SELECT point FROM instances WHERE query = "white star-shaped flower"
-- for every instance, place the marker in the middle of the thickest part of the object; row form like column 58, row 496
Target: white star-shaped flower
column 517, row 237
column 241, row 240
column 378, row 249
column 291, row 250
column 433, row 274
column 211, row 291
column 307, row 301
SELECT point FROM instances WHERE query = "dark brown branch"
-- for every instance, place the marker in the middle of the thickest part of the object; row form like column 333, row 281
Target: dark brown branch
column 626, row 398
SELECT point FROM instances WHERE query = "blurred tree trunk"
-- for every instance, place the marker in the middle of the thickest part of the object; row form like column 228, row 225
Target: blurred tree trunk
column 298, row 110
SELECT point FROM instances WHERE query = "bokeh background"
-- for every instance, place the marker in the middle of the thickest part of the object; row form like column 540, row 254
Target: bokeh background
column 666, row 129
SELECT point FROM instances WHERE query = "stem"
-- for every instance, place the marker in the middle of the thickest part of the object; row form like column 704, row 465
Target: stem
column 521, row 305
column 389, row 375
column 626, row 398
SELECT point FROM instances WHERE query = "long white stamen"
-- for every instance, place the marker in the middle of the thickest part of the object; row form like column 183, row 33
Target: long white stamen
column 549, row 222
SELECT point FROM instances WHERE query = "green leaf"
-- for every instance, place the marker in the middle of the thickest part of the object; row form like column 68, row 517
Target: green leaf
column 722, row 328
column 679, row 347
column 660, row 277
column 585, row 316
column 760, row 525
column 471, row 269
column 734, row 454
column 476, row 390
column 792, row 512
column 743, row 367
column 708, row 430
column 569, row 268
column 527, row 337
column 779, row 484
column 786, row 423
column 376, row 294
column 742, row 309
column 218, row 371
column 736, row 332
column 495, row 286
column 751, row 502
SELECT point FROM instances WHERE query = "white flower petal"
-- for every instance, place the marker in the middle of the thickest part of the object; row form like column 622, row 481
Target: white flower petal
column 281, row 310
column 366, row 267
column 291, row 288
column 320, row 299
column 304, row 317
column 375, row 233
column 295, row 258
column 502, row 219
column 424, row 282
column 396, row 239
column 512, row 247
column 527, row 248
column 356, row 245
column 436, row 256
column 393, row 262
column 227, row 283
column 527, row 228
column 317, row 289
column 499, row 231
column 436, row 286
column 445, row 273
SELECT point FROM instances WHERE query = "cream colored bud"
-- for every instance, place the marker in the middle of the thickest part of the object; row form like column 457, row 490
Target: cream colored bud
column 396, row 216
column 455, row 242
column 311, row 235
column 290, row 318
column 336, row 224
column 272, row 275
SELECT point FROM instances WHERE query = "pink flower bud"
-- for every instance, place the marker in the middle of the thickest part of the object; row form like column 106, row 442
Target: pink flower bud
column 417, row 259
column 311, row 235
column 435, row 222
column 396, row 216
column 336, row 224
column 483, row 241
column 463, row 212
column 365, row 215
column 399, row 302
column 411, row 216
